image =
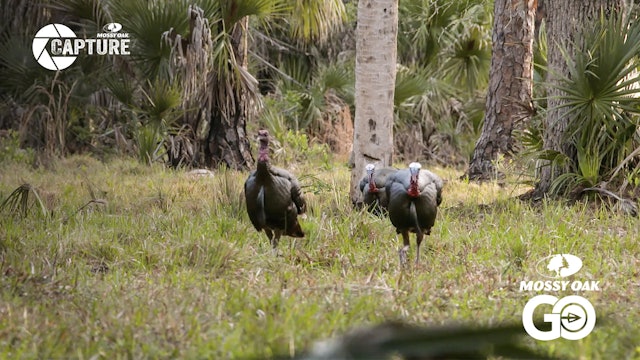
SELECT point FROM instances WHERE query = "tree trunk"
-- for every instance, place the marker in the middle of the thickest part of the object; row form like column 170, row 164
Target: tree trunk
column 376, row 52
column 227, row 142
column 565, row 22
column 508, row 101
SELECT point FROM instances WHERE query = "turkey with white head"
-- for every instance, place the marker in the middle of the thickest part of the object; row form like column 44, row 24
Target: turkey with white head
column 373, row 190
column 414, row 196
column 273, row 196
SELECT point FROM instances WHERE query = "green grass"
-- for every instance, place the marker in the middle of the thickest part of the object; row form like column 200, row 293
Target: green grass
column 164, row 265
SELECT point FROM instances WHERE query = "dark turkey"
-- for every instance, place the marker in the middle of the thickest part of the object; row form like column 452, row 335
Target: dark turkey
column 373, row 188
column 273, row 196
column 414, row 196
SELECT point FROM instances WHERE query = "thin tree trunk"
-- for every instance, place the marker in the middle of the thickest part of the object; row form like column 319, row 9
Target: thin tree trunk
column 376, row 53
column 565, row 22
column 508, row 101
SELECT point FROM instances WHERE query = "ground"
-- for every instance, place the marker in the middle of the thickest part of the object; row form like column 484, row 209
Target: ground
column 131, row 261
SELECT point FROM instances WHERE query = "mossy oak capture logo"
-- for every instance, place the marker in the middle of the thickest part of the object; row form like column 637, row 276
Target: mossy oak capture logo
column 56, row 46
column 571, row 317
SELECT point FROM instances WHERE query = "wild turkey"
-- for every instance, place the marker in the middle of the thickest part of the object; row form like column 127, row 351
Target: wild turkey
column 373, row 188
column 414, row 196
column 273, row 197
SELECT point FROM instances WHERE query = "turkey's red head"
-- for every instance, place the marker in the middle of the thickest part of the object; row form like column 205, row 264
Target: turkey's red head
column 263, row 138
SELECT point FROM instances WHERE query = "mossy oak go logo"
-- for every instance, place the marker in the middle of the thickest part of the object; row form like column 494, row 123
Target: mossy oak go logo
column 56, row 47
column 571, row 317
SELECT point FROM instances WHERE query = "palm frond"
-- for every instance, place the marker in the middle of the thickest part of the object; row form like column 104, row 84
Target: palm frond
column 234, row 11
column 162, row 101
column 420, row 95
column 315, row 20
column 337, row 77
column 468, row 60
column 599, row 97
column 89, row 15
column 433, row 29
column 146, row 21
column 18, row 68
column 19, row 202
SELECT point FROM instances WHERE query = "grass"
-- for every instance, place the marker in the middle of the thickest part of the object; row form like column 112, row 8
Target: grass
column 135, row 261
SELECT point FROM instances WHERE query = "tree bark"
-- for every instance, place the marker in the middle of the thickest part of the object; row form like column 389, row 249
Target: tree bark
column 565, row 23
column 376, row 53
column 508, row 102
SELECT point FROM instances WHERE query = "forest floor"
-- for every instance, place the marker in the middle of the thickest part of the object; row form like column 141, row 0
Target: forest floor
column 133, row 261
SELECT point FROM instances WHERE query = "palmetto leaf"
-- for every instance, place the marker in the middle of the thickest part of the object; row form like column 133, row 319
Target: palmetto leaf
column 408, row 85
column 18, row 68
column 419, row 95
column 18, row 202
column 600, row 99
column 91, row 15
column 315, row 20
column 423, row 30
column 146, row 21
column 122, row 89
column 234, row 11
column 433, row 31
column 599, row 80
column 162, row 102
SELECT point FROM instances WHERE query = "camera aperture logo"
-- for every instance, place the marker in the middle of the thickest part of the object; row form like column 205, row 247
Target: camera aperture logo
column 56, row 46
column 571, row 317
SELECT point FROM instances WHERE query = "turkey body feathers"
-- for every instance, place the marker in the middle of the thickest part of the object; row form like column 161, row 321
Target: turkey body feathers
column 425, row 206
column 375, row 197
column 413, row 212
column 273, row 196
column 274, row 200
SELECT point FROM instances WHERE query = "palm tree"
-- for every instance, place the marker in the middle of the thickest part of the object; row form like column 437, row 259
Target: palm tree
column 234, row 96
column 445, row 47
column 375, row 82
column 187, row 84
column 589, row 131
column 598, row 98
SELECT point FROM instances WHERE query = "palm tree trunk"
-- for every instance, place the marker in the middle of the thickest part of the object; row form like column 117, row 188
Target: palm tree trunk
column 376, row 52
column 227, row 142
column 508, row 101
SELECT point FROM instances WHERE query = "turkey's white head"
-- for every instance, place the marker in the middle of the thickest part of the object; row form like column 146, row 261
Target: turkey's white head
column 370, row 170
column 414, row 170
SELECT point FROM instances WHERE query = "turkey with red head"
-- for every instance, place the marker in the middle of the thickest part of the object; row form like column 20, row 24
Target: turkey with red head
column 273, row 196
column 414, row 196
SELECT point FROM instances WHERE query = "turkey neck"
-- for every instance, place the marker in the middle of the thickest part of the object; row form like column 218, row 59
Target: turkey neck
column 263, row 158
column 413, row 187
column 372, row 184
